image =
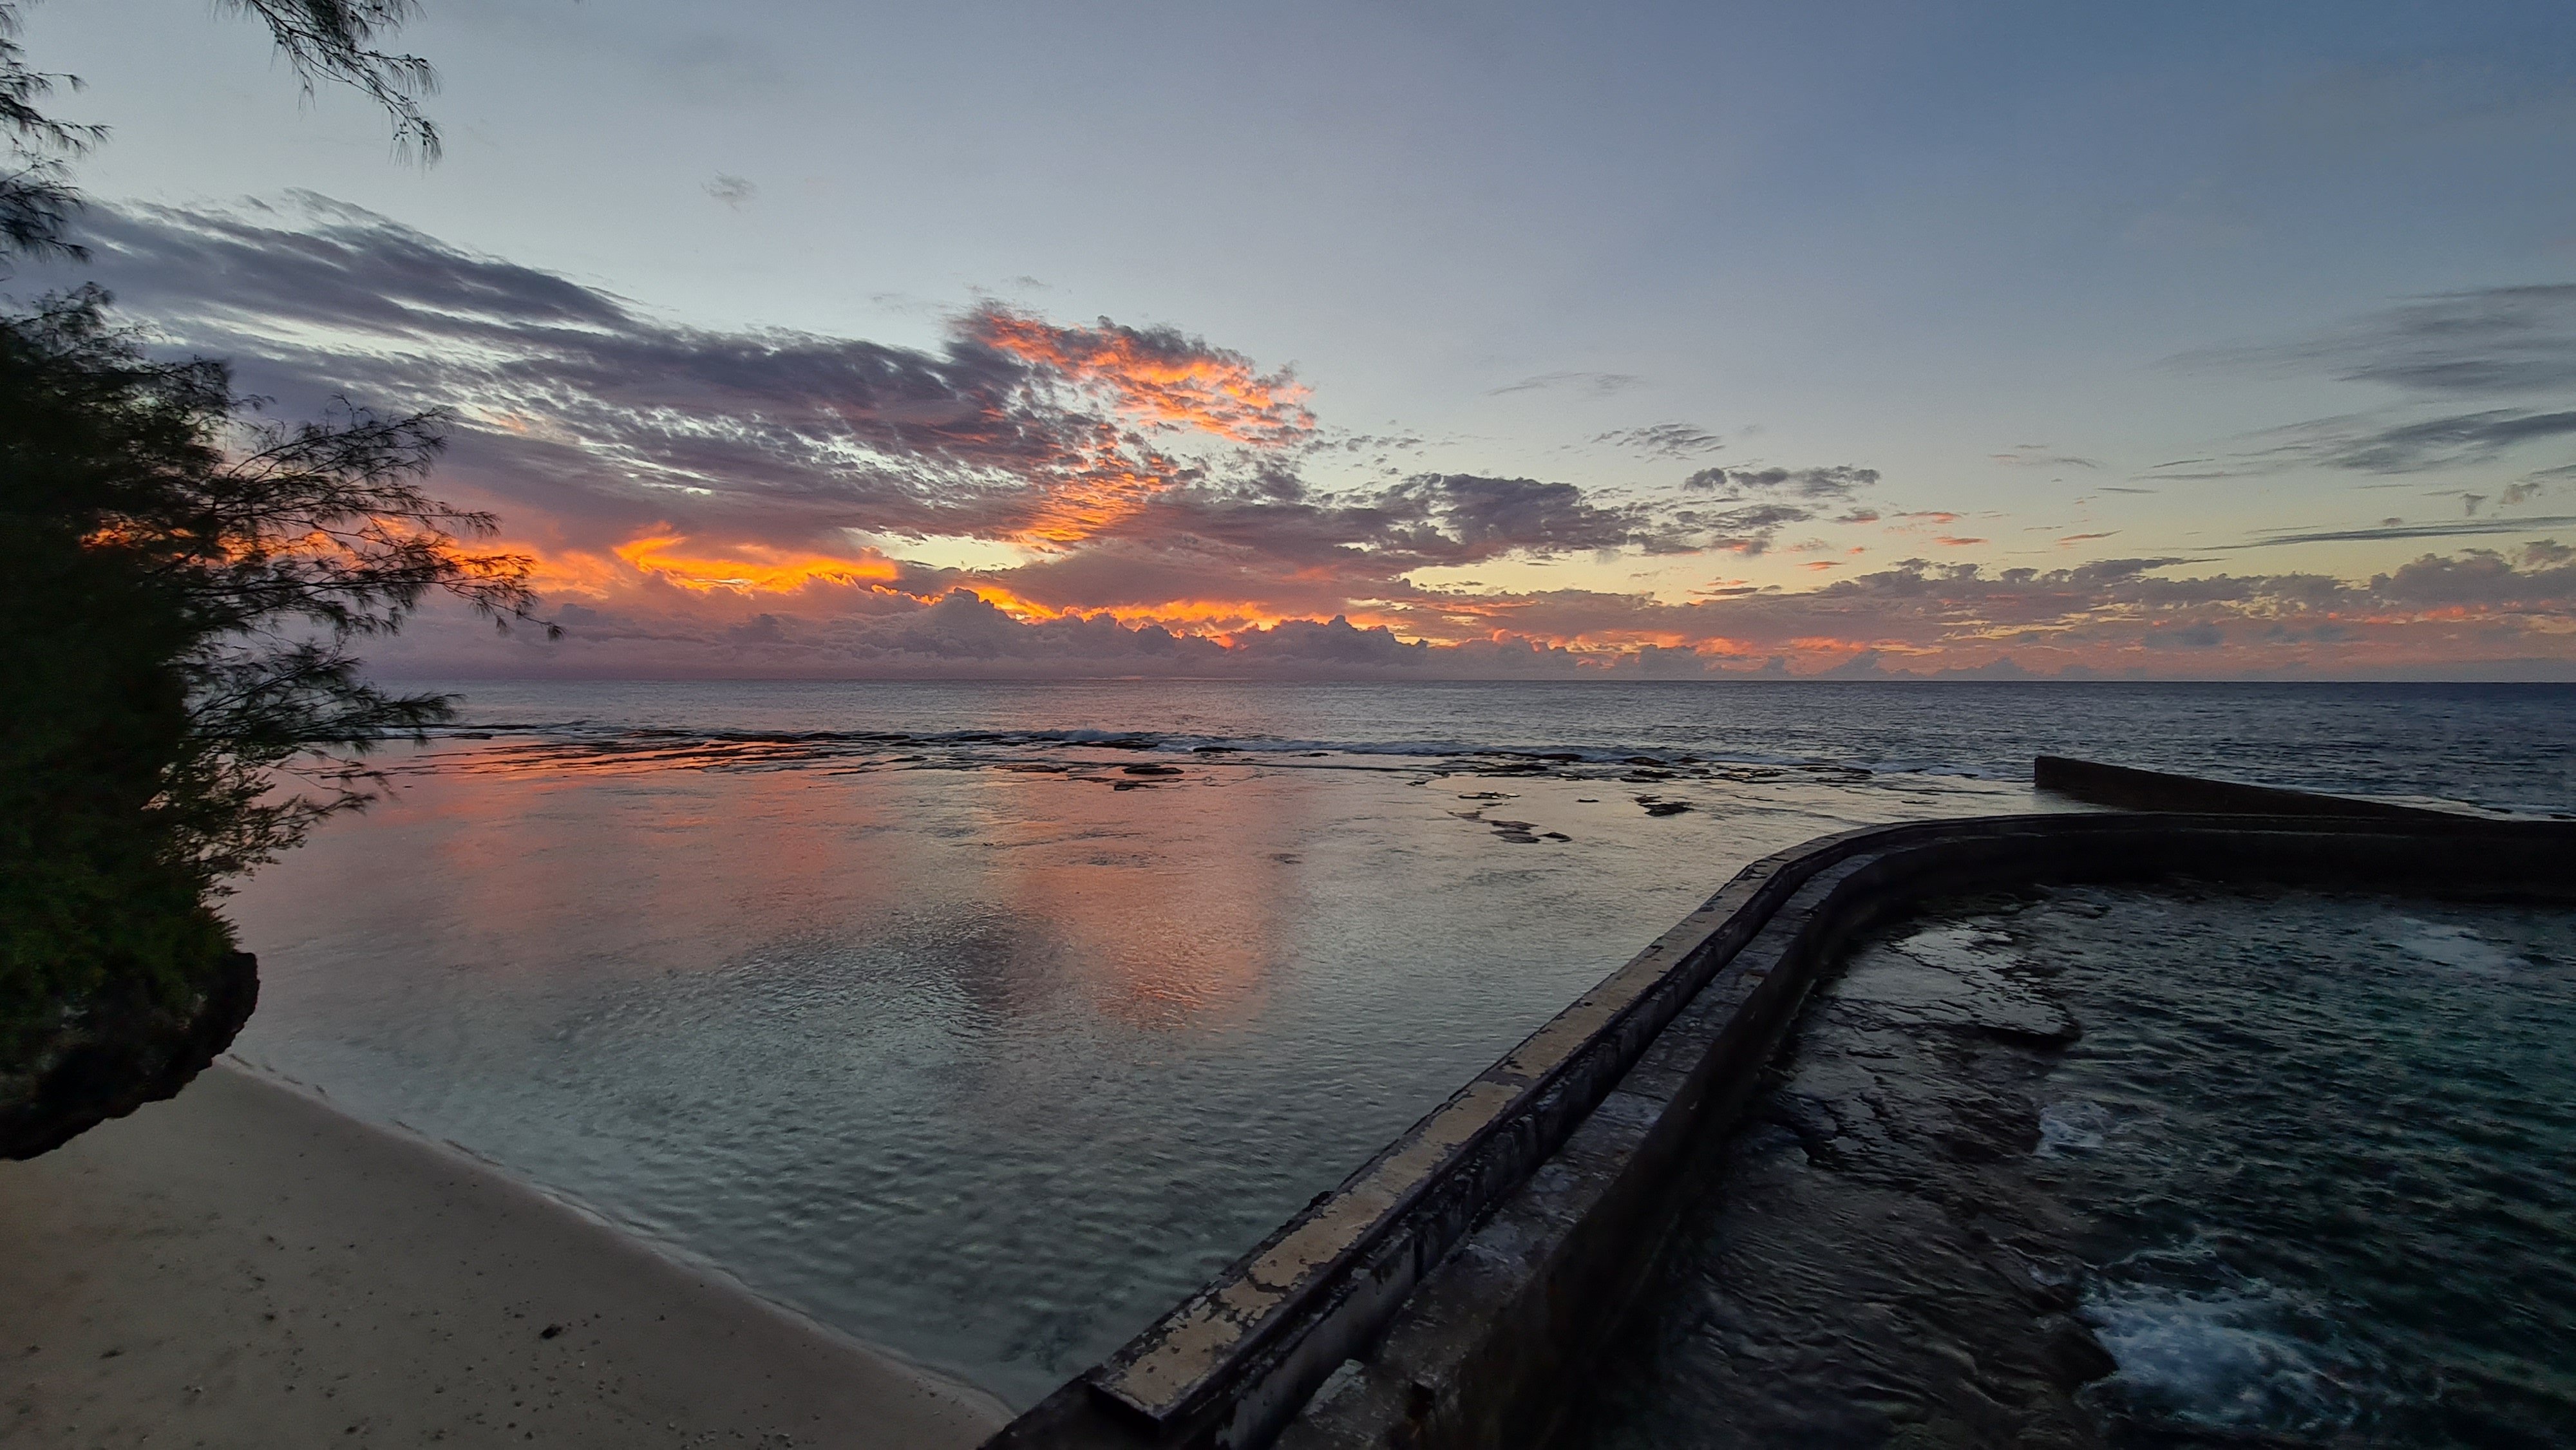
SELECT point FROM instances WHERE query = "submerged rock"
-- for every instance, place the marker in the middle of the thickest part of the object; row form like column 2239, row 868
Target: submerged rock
column 1952, row 977
column 1874, row 1266
column 110, row 1052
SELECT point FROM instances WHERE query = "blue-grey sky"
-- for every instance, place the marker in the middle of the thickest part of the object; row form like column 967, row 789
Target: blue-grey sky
column 2078, row 285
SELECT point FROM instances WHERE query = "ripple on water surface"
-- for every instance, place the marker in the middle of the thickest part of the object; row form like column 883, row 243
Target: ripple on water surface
column 984, row 1054
column 2308, row 1175
column 2332, row 1189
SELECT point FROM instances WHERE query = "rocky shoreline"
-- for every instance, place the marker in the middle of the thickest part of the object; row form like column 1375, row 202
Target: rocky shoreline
column 104, row 1055
column 1877, row 1265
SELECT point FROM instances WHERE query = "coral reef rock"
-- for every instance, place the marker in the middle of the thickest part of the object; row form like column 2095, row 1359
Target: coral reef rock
column 111, row 1052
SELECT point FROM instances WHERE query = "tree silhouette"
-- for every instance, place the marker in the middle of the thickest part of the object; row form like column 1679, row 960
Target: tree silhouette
column 323, row 40
column 183, row 580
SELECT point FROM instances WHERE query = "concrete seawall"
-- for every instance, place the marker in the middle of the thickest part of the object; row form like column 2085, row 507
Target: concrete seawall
column 2127, row 788
column 1448, row 1292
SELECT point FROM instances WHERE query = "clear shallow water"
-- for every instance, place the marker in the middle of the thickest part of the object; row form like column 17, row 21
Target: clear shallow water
column 983, row 1021
column 985, row 1051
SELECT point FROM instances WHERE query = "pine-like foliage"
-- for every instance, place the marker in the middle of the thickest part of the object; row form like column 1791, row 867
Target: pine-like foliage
column 321, row 40
column 181, row 582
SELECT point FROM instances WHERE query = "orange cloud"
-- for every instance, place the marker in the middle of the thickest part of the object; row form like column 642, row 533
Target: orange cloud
column 1105, row 475
column 659, row 557
column 1096, row 488
column 1015, row 605
column 1160, row 377
column 2126, row 616
column 751, row 567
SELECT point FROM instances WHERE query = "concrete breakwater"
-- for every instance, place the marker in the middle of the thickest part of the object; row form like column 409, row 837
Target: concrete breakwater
column 1452, row 1290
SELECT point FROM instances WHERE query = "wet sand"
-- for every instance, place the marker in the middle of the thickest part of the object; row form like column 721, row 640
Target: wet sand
column 244, row 1266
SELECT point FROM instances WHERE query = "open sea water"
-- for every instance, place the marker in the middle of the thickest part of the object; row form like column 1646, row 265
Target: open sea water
column 982, row 1021
column 2300, row 1166
column 2325, row 1151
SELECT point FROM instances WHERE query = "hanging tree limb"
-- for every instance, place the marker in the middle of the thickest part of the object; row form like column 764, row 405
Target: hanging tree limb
column 323, row 40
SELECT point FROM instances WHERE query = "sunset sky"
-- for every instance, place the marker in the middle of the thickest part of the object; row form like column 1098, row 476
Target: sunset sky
column 817, row 339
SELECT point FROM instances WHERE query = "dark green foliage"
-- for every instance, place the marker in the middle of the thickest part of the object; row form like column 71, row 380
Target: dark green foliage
column 179, row 582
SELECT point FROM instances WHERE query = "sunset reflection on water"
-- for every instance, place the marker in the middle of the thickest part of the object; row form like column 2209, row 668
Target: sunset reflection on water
column 985, row 1057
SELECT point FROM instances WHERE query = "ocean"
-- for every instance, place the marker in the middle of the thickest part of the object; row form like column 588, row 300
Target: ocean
column 2307, row 1170
column 982, row 1021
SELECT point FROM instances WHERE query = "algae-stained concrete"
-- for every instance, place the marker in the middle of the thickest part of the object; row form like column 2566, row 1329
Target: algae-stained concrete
column 1873, row 1263
column 2125, row 787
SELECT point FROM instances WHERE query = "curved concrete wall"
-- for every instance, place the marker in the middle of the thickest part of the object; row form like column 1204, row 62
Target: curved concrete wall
column 1448, row 1291
column 2127, row 788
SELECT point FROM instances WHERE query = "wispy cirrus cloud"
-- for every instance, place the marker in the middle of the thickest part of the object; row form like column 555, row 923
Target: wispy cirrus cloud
column 1598, row 385
column 2511, row 348
column 1663, row 440
column 2034, row 456
column 2422, row 445
column 2478, row 343
column 1814, row 484
column 2401, row 530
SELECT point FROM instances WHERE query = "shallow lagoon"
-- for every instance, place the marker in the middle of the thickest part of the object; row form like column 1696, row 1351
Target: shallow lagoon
column 923, row 1008
column 991, row 1053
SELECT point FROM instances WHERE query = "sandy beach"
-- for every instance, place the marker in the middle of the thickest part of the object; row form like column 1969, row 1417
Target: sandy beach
column 244, row 1266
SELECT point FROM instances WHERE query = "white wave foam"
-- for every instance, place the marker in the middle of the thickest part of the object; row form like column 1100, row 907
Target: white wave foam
column 2080, row 1126
column 2455, row 947
column 2234, row 1352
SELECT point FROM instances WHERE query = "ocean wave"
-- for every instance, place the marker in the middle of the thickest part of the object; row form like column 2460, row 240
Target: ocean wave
column 715, row 746
column 2197, row 1342
column 2452, row 946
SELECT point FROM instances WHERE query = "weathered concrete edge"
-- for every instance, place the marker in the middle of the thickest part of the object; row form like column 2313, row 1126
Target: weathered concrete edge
column 1238, row 1357
column 2125, row 787
column 1485, row 1352
column 1236, row 1360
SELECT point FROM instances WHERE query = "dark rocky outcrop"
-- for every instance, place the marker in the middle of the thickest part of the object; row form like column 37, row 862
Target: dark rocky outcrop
column 106, row 1054
column 1875, row 1265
